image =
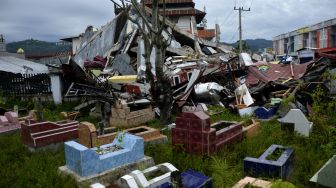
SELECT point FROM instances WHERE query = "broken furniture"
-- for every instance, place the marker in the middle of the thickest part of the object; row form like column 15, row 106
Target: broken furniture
column 38, row 134
column 250, row 127
column 9, row 122
column 253, row 182
column 326, row 175
column 301, row 123
column 152, row 177
column 106, row 163
column 125, row 116
column 88, row 135
column 264, row 113
column 276, row 161
column 196, row 135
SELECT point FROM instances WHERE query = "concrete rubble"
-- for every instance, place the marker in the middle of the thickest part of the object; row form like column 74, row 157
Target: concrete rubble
column 111, row 69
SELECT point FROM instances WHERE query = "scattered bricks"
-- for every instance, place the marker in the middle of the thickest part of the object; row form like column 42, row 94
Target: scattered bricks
column 195, row 133
column 275, row 162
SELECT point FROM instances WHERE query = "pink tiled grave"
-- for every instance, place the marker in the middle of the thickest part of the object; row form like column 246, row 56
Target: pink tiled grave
column 197, row 135
column 9, row 122
column 38, row 134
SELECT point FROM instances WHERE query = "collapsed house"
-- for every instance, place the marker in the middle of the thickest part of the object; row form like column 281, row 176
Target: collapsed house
column 109, row 65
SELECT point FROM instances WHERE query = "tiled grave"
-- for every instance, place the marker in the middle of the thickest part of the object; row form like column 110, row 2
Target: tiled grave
column 301, row 123
column 152, row 177
column 276, row 161
column 88, row 135
column 106, row 163
column 38, row 134
column 249, row 181
column 196, row 135
column 264, row 113
column 251, row 127
column 326, row 175
column 124, row 116
column 191, row 179
column 9, row 122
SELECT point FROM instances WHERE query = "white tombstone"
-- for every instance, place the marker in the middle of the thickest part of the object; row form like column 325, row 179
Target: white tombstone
column 97, row 185
column 137, row 178
column 301, row 123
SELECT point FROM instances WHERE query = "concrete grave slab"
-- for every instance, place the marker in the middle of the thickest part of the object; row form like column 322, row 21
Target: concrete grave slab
column 326, row 175
column 253, row 182
column 266, row 166
column 301, row 123
column 147, row 178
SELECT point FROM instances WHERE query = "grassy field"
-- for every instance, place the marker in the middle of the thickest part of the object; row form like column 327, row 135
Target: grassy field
column 21, row 168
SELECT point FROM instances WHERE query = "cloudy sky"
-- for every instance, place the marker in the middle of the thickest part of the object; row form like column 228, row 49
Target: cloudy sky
column 50, row 20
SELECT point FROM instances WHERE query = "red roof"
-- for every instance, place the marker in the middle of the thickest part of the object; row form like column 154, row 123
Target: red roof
column 275, row 72
column 206, row 33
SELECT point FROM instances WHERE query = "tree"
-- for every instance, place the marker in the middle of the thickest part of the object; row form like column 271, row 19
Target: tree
column 152, row 26
column 246, row 47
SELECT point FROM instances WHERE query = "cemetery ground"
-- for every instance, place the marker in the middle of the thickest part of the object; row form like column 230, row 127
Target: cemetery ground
column 22, row 168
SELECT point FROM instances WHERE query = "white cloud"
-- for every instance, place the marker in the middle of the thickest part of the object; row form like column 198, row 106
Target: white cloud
column 51, row 20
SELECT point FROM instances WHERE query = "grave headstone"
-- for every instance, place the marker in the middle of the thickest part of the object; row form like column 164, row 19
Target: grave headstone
column 301, row 123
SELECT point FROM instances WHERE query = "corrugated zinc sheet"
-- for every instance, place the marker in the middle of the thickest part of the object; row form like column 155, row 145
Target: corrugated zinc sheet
column 21, row 66
column 275, row 72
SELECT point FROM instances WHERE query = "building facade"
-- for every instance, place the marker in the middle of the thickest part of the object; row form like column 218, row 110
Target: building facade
column 181, row 13
column 320, row 35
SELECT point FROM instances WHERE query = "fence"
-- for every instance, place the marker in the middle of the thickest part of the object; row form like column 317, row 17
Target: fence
column 24, row 84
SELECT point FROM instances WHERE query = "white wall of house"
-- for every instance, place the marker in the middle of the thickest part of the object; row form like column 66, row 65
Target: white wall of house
column 56, row 88
column 184, row 23
column 76, row 44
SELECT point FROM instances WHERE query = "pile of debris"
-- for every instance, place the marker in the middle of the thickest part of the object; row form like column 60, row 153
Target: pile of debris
column 110, row 66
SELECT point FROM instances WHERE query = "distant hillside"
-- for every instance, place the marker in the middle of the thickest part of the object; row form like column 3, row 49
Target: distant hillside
column 256, row 44
column 32, row 46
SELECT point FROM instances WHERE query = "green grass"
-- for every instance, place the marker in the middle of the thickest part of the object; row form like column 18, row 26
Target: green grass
column 21, row 168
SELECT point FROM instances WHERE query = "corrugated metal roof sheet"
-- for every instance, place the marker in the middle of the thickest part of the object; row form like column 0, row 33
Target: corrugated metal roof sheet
column 16, row 65
column 275, row 72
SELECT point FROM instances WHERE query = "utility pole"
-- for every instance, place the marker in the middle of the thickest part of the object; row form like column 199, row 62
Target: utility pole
column 240, row 27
